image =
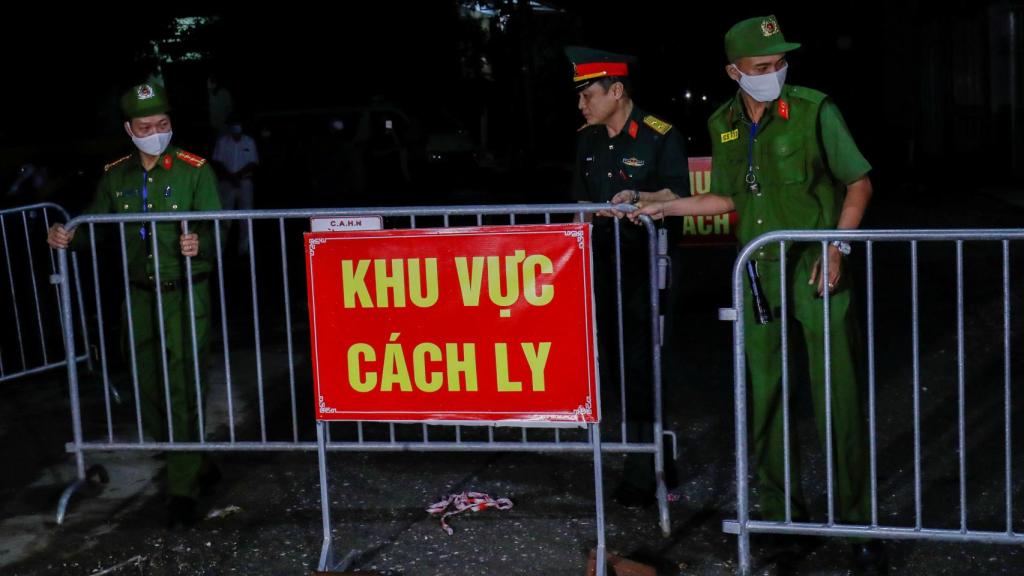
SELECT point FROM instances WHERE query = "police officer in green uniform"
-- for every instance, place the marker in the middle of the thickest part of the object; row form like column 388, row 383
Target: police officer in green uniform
column 783, row 158
column 163, row 178
column 625, row 153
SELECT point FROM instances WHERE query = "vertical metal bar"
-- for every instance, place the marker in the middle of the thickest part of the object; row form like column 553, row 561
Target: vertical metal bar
column 131, row 332
column 827, row 321
column 872, row 423
column 103, row 343
column 325, row 502
column 288, row 331
column 740, row 419
column 35, row 290
column 412, row 221
column 224, row 328
column 595, row 440
column 479, row 219
column 72, row 366
column 917, row 383
column 53, row 259
column 961, row 428
column 426, row 434
column 14, row 296
column 81, row 314
column 620, row 331
column 391, row 429
column 446, row 221
column 195, row 343
column 1006, row 385
column 512, row 219
column 53, row 270
column 158, row 290
column 547, row 217
column 659, row 444
column 256, row 331
column 784, row 319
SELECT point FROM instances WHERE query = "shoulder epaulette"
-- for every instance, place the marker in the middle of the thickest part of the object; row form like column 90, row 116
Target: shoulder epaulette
column 191, row 159
column 657, row 125
column 808, row 94
column 115, row 163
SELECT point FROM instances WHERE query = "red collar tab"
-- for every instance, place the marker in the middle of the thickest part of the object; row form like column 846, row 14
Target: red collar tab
column 783, row 109
column 633, row 128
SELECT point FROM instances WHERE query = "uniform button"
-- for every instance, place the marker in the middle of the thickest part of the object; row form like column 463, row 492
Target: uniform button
column 174, row 206
column 759, row 221
column 150, row 179
column 609, row 174
column 125, row 206
column 149, row 205
column 611, row 146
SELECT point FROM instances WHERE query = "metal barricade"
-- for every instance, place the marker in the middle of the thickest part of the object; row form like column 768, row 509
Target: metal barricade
column 780, row 245
column 30, row 343
column 223, row 433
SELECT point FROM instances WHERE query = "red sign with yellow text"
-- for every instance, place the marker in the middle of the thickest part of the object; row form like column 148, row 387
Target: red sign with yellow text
column 706, row 230
column 453, row 324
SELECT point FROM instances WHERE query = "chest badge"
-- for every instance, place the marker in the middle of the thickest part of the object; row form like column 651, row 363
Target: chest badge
column 633, row 162
column 730, row 136
column 168, row 162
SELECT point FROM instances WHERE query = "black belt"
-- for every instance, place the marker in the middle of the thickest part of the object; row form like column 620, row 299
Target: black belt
column 168, row 285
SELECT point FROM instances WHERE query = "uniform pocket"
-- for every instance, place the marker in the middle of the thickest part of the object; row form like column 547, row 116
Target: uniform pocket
column 789, row 156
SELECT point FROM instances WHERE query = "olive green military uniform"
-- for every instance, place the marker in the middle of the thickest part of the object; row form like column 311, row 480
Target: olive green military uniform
column 179, row 182
column 803, row 157
column 647, row 155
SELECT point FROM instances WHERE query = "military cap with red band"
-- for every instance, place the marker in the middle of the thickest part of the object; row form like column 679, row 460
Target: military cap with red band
column 590, row 65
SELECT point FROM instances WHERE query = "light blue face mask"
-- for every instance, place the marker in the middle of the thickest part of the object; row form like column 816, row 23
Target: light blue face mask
column 763, row 87
column 154, row 144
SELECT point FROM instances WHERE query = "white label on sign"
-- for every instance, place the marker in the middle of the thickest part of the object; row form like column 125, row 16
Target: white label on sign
column 345, row 223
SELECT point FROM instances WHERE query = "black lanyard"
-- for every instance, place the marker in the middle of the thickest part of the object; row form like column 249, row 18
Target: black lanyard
column 751, row 178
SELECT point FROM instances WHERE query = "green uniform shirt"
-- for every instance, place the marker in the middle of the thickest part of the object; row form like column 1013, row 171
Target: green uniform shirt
column 803, row 157
column 647, row 155
column 180, row 182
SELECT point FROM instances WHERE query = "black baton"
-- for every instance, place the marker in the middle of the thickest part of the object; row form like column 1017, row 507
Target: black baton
column 762, row 312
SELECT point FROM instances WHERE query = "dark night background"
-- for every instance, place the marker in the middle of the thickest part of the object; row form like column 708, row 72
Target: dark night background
column 932, row 96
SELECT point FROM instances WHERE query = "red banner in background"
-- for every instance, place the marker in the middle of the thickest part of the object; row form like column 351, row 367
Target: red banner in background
column 453, row 324
column 706, row 230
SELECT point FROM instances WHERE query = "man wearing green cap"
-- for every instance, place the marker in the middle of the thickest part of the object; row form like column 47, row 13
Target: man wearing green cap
column 783, row 157
column 624, row 153
column 163, row 178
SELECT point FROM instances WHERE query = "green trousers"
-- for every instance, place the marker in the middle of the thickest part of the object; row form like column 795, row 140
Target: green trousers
column 183, row 468
column 764, row 361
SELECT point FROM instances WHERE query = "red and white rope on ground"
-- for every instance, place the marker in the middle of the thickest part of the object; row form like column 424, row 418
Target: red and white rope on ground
column 458, row 503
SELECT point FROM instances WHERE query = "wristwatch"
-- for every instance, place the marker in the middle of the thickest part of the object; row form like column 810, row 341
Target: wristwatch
column 843, row 247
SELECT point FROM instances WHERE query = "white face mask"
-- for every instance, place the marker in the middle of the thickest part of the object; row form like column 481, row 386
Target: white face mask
column 154, row 144
column 765, row 87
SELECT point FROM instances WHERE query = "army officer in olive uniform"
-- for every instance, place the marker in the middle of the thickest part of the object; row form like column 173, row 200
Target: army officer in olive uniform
column 783, row 158
column 624, row 152
column 162, row 178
